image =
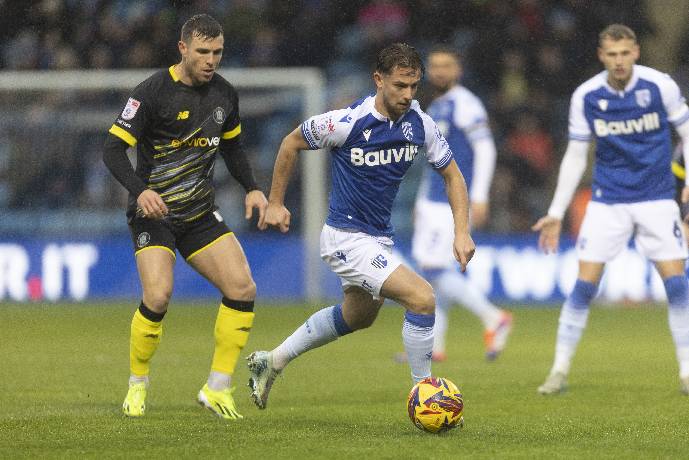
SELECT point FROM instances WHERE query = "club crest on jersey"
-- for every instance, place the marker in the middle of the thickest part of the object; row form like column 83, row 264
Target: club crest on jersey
column 643, row 97
column 603, row 104
column 407, row 131
column 219, row 115
column 130, row 109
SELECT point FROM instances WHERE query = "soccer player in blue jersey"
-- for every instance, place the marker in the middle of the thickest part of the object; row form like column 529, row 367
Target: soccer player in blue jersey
column 463, row 121
column 372, row 144
column 628, row 110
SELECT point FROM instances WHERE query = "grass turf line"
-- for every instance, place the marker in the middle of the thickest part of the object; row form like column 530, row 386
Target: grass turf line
column 65, row 369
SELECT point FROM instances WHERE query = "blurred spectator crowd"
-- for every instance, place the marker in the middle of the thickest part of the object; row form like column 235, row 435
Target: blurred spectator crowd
column 522, row 57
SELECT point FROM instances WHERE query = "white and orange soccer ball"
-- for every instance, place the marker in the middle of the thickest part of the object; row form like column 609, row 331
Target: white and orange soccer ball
column 435, row 405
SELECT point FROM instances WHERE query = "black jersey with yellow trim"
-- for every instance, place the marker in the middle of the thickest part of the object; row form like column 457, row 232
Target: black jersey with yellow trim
column 177, row 130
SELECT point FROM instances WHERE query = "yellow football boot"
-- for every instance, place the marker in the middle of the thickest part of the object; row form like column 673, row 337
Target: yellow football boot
column 221, row 403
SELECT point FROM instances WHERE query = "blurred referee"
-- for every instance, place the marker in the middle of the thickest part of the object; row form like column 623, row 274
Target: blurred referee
column 179, row 119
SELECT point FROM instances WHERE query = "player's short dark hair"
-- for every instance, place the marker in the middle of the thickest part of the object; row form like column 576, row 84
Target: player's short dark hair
column 445, row 49
column 616, row 32
column 202, row 25
column 399, row 55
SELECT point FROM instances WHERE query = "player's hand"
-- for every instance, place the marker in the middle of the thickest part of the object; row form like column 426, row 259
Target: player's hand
column 550, row 228
column 464, row 249
column 256, row 199
column 151, row 205
column 277, row 215
column 479, row 214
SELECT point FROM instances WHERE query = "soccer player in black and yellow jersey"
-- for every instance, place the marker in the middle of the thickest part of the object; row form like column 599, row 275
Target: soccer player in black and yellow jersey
column 179, row 119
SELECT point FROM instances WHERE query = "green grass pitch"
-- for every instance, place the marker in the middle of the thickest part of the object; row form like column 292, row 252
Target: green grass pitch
column 64, row 374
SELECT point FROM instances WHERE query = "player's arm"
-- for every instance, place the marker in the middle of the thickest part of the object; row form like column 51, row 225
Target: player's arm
column 683, row 132
column 237, row 162
column 485, row 156
column 116, row 160
column 457, row 196
column 277, row 214
column 572, row 169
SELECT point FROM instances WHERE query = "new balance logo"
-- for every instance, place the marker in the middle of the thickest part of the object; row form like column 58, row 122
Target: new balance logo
column 183, row 115
column 367, row 134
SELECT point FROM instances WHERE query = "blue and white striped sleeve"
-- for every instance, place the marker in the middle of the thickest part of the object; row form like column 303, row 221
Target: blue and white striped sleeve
column 437, row 149
column 674, row 102
column 579, row 129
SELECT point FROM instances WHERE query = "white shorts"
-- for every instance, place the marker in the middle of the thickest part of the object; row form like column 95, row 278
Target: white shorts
column 358, row 258
column 434, row 235
column 655, row 226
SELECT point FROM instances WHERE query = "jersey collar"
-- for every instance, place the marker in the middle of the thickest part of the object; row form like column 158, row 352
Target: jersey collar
column 174, row 76
column 628, row 87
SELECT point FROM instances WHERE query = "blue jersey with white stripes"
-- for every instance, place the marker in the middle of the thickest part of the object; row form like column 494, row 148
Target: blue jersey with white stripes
column 462, row 119
column 632, row 133
column 370, row 156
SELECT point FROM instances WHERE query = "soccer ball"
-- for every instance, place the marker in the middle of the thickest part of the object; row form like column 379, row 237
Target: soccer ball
column 435, row 405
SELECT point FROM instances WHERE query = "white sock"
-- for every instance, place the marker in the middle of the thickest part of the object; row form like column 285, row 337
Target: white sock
column 440, row 326
column 679, row 327
column 417, row 335
column 217, row 381
column 457, row 288
column 134, row 379
column 571, row 326
column 322, row 327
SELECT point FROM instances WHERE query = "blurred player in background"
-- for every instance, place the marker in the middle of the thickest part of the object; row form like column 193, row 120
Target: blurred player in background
column 680, row 172
column 463, row 121
column 373, row 143
column 180, row 118
column 628, row 110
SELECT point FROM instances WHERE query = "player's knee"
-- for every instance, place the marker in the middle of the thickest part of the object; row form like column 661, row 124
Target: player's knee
column 158, row 299
column 243, row 290
column 423, row 301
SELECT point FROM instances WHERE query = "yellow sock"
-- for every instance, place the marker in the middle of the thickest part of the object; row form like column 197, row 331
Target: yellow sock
column 231, row 333
column 143, row 342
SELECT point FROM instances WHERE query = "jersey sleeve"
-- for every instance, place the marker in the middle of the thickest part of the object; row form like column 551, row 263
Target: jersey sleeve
column 579, row 129
column 437, row 149
column 135, row 116
column 232, row 127
column 473, row 120
column 327, row 130
column 674, row 102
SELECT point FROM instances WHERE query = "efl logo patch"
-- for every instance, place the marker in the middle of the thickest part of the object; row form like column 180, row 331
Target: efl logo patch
column 130, row 109
column 143, row 239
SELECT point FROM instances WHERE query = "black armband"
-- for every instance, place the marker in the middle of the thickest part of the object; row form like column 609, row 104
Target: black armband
column 115, row 158
column 237, row 163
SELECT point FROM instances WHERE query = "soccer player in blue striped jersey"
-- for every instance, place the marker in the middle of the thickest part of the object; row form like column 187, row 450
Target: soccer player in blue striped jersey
column 628, row 110
column 372, row 145
column 462, row 119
